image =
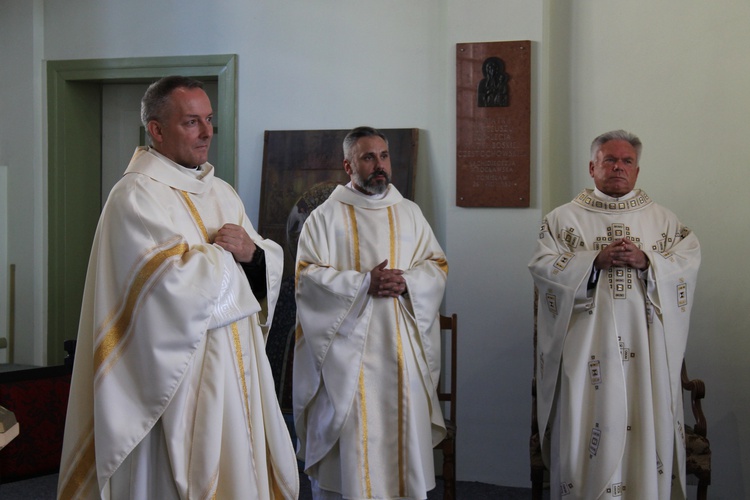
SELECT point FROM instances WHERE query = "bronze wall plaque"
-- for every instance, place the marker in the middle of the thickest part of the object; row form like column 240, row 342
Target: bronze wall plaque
column 493, row 124
column 302, row 166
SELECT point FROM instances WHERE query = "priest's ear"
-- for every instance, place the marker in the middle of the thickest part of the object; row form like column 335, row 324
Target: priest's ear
column 348, row 167
column 155, row 130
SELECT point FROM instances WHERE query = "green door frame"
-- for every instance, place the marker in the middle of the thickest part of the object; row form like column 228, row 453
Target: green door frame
column 74, row 90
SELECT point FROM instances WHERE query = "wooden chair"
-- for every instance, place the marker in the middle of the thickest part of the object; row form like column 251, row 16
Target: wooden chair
column 447, row 393
column 698, row 449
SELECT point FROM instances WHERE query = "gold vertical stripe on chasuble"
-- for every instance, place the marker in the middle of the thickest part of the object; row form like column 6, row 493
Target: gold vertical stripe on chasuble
column 392, row 237
column 355, row 237
column 392, row 227
column 363, row 413
column 354, row 242
column 84, row 470
column 243, row 380
column 116, row 333
column 401, row 407
column 196, row 215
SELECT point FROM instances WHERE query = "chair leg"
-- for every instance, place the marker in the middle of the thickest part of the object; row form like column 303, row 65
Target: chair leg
column 449, row 470
column 536, row 491
column 537, row 483
column 702, row 490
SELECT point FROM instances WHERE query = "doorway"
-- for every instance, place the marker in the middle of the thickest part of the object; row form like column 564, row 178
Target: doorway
column 75, row 90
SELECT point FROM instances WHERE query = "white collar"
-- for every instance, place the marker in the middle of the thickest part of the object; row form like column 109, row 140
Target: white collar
column 198, row 171
column 607, row 197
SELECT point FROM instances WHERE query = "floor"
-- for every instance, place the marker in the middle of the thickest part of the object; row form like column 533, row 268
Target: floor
column 43, row 488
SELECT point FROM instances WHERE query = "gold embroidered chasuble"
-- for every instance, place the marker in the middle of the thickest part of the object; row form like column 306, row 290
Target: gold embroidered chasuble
column 366, row 369
column 610, row 348
column 172, row 395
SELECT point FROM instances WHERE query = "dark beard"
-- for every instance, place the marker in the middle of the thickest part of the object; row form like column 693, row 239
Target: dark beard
column 372, row 186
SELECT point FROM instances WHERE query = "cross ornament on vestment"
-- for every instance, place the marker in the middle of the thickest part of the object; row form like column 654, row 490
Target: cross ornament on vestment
column 620, row 278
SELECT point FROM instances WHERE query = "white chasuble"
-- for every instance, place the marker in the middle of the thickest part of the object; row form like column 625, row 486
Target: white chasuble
column 610, row 348
column 366, row 369
column 172, row 395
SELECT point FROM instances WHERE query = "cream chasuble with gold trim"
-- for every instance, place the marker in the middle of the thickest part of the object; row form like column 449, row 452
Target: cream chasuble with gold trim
column 172, row 395
column 366, row 369
column 610, row 348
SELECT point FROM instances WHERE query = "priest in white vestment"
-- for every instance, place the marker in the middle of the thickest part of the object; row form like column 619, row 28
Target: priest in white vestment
column 370, row 281
column 172, row 395
column 616, row 276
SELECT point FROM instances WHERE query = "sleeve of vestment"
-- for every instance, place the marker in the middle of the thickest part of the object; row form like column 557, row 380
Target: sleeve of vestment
column 325, row 297
column 671, row 280
column 561, row 279
column 426, row 278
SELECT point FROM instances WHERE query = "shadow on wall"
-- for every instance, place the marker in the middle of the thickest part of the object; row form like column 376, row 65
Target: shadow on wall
column 727, row 463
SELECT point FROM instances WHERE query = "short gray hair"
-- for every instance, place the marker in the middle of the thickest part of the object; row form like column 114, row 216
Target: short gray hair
column 356, row 134
column 617, row 135
column 156, row 99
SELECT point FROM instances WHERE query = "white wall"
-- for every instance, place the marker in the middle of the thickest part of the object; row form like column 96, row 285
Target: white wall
column 21, row 147
column 489, row 286
column 676, row 73
column 4, row 269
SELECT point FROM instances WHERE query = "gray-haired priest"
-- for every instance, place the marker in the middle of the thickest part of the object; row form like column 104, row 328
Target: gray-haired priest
column 616, row 276
column 370, row 280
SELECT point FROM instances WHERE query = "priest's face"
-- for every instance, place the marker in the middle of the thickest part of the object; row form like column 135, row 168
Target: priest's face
column 370, row 165
column 615, row 169
column 184, row 134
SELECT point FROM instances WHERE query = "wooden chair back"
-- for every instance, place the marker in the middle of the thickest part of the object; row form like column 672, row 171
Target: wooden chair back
column 447, row 390
column 447, row 393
